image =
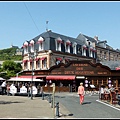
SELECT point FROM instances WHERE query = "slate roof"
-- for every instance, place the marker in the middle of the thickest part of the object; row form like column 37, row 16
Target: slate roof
column 51, row 34
column 84, row 37
column 111, row 64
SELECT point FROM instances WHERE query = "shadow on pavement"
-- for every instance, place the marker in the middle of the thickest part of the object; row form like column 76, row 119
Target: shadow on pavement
column 86, row 103
column 63, row 115
column 8, row 102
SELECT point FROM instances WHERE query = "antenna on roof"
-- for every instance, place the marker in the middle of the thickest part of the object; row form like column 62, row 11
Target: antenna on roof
column 47, row 25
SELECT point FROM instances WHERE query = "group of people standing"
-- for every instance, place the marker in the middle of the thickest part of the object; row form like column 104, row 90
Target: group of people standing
column 6, row 87
column 105, row 91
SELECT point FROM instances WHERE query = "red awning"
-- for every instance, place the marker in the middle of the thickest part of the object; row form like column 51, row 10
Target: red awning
column 31, row 76
column 68, row 43
column 53, row 77
column 60, row 59
column 43, row 58
column 30, row 60
column 37, row 59
column 117, row 68
column 59, row 41
column 24, row 61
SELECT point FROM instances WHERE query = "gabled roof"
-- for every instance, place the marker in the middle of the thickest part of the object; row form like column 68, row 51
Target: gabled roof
column 84, row 37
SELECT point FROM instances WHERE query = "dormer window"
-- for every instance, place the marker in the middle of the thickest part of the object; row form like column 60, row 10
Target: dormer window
column 84, row 49
column 74, row 48
column 25, row 47
column 67, row 46
column 31, row 45
column 58, row 44
column 91, row 52
column 41, row 43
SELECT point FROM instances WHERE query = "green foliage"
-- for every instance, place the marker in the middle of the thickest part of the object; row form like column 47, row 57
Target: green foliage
column 9, row 54
column 11, row 68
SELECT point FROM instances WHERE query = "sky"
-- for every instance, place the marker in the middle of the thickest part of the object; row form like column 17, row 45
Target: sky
column 24, row 20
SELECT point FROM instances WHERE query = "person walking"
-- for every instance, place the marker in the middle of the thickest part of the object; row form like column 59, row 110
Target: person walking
column 81, row 93
column 3, row 87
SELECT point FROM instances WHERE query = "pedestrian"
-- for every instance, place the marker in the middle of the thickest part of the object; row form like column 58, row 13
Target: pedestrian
column 102, row 92
column 3, row 87
column 8, row 89
column 81, row 93
column 107, row 93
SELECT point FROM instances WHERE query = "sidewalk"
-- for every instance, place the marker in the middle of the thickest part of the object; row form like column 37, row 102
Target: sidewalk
column 24, row 107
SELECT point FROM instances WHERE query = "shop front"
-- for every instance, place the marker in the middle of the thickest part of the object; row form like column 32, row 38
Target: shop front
column 68, row 77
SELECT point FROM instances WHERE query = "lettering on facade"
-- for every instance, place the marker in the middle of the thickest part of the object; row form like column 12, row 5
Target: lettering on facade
column 80, row 65
column 99, row 73
column 78, row 69
column 56, row 73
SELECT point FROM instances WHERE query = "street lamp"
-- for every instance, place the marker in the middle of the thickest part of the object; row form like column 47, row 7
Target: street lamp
column 32, row 56
column 18, row 73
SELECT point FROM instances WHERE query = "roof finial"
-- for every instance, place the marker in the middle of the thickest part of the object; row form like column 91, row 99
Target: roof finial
column 47, row 25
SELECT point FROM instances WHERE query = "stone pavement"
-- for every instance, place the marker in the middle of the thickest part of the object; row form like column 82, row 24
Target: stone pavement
column 23, row 107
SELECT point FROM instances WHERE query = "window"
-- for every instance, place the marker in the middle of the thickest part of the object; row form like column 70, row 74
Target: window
column 37, row 63
column 31, row 45
column 58, row 44
column 31, row 64
column 41, row 43
column 67, row 46
column 74, row 48
column 25, row 47
column 44, row 62
column 58, row 60
column 25, row 64
column 91, row 52
column 84, row 48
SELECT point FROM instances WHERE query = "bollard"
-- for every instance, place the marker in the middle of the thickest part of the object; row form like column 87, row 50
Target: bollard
column 42, row 96
column 51, row 102
column 57, row 109
column 49, row 98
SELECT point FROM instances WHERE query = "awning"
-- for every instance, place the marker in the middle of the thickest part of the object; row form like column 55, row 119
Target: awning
column 26, row 78
column 62, row 77
column 43, row 58
column 60, row 59
column 37, row 59
column 117, row 68
column 30, row 76
column 24, row 61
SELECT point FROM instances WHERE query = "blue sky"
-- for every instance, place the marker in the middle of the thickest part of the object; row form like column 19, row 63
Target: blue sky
column 24, row 20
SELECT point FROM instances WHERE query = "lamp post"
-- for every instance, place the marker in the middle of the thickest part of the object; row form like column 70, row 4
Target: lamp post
column 32, row 56
column 18, row 73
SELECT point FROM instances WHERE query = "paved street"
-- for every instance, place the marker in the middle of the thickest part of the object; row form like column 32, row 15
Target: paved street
column 69, row 107
column 24, row 107
column 92, row 107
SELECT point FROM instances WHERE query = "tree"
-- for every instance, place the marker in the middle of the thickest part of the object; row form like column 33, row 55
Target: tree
column 11, row 68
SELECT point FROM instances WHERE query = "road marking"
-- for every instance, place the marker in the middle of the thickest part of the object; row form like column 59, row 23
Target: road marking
column 108, row 105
